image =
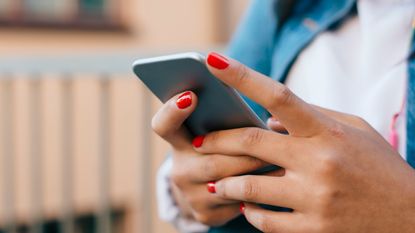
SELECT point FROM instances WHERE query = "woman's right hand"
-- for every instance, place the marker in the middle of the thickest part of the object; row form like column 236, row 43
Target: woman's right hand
column 192, row 171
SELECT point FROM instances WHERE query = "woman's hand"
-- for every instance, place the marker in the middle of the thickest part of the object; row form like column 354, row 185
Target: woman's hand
column 340, row 174
column 192, row 170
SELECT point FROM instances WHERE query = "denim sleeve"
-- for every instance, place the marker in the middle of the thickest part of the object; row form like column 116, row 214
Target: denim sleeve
column 253, row 43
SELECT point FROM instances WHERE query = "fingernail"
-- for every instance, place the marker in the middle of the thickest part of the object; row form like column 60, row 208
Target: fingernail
column 211, row 187
column 184, row 100
column 198, row 141
column 217, row 61
column 242, row 208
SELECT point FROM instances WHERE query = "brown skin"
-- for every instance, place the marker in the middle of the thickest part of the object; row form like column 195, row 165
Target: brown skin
column 192, row 170
column 340, row 175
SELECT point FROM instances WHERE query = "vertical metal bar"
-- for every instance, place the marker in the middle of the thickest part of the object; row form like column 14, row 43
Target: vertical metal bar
column 104, row 211
column 17, row 10
column 221, row 20
column 146, row 161
column 36, row 153
column 7, row 162
column 67, row 153
column 78, row 8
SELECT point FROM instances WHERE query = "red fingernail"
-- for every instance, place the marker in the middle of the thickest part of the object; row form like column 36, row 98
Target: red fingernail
column 217, row 61
column 242, row 208
column 198, row 141
column 211, row 187
column 184, row 100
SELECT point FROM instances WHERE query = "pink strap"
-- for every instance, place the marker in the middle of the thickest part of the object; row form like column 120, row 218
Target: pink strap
column 393, row 134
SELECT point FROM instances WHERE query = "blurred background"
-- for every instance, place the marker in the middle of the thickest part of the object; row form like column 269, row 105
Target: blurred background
column 76, row 150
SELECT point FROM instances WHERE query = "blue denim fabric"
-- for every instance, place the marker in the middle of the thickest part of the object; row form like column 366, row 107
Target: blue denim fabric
column 270, row 48
column 253, row 43
column 410, row 113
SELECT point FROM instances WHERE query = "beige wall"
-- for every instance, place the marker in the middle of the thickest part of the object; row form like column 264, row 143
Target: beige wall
column 126, row 134
column 154, row 26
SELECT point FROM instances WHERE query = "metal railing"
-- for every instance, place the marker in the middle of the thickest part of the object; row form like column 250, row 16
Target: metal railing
column 104, row 71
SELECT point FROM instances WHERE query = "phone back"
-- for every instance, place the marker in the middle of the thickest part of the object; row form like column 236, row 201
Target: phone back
column 219, row 107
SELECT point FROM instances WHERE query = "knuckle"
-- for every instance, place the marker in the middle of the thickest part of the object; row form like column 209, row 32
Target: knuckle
column 252, row 137
column 362, row 122
column 336, row 131
column 157, row 127
column 164, row 122
column 326, row 200
column 359, row 119
column 241, row 74
column 211, row 168
column 249, row 188
column 280, row 96
column 328, row 165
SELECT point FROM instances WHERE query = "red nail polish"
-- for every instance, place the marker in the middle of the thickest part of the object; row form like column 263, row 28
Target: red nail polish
column 217, row 61
column 198, row 141
column 184, row 100
column 211, row 187
column 242, row 208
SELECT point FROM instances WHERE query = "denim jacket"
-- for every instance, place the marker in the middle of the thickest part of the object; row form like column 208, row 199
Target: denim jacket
column 269, row 42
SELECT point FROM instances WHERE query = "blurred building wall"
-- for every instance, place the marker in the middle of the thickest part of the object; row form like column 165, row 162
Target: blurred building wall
column 60, row 124
column 148, row 24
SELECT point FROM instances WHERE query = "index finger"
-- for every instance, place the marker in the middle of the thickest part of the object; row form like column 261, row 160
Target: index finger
column 298, row 117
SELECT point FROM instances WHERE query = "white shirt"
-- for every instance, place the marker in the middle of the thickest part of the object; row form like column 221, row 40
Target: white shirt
column 361, row 68
column 358, row 69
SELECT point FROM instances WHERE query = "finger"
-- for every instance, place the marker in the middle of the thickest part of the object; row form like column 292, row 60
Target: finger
column 254, row 142
column 215, row 167
column 168, row 121
column 217, row 216
column 271, row 221
column 297, row 116
column 210, row 209
column 201, row 198
column 276, row 125
column 270, row 190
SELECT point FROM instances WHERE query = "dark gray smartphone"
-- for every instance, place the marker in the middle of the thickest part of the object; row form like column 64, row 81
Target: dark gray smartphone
column 220, row 107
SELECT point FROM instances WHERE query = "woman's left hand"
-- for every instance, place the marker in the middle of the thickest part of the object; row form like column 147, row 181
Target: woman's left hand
column 340, row 174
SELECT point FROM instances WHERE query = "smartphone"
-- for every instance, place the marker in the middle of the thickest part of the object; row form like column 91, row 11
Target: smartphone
column 220, row 107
